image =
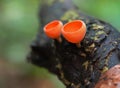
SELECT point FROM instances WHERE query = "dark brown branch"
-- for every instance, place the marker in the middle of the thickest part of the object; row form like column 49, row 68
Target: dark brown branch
column 76, row 67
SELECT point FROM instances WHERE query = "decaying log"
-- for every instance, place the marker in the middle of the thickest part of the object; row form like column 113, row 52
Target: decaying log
column 76, row 67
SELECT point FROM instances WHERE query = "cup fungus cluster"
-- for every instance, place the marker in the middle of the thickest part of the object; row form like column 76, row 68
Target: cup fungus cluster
column 73, row 31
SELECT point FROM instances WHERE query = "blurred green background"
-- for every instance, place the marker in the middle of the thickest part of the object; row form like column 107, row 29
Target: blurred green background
column 18, row 26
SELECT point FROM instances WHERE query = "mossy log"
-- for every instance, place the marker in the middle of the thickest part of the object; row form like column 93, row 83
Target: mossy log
column 75, row 67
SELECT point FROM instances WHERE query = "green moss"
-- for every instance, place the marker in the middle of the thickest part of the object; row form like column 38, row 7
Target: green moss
column 96, row 38
column 92, row 46
column 104, row 69
column 65, row 81
column 69, row 15
column 85, row 64
column 96, row 26
column 83, row 55
column 100, row 32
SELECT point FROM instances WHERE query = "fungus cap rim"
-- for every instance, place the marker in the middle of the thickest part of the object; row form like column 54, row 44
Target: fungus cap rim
column 82, row 25
column 74, row 34
column 50, row 23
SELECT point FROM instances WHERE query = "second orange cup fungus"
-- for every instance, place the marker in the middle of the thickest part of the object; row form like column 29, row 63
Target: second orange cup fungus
column 53, row 29
column 74, row 31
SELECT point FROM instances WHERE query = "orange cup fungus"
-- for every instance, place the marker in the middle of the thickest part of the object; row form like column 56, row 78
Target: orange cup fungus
column 53, row 29
column 74, row 31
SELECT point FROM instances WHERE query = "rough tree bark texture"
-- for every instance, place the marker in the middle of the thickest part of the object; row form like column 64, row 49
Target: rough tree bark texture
column 76, row 67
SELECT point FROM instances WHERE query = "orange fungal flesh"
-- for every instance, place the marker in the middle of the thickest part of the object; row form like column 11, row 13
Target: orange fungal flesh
column 74, row 31
column 72, row 27
column 51, row 25
column 53, row 29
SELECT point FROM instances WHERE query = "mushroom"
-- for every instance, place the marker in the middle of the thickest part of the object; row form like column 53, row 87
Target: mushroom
column 74, row 31
column 53, row 30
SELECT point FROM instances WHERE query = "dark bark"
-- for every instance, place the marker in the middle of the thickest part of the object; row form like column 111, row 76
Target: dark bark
column 76, row 67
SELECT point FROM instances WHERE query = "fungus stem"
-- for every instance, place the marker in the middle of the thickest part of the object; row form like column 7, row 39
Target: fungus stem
column 78, row 45
column 59, row 39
